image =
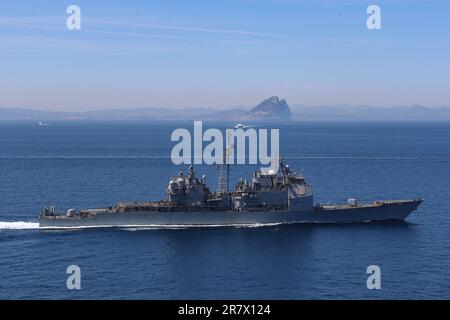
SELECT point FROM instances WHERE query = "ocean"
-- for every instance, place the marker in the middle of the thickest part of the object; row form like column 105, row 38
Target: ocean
column 75, row 164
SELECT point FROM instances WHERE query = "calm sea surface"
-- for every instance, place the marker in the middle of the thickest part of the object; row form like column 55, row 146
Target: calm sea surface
column 95, row 164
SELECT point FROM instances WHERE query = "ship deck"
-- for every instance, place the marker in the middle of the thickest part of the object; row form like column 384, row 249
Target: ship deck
column 367, row 205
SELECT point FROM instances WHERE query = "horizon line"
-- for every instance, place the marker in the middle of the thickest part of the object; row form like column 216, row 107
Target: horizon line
column 212, row 108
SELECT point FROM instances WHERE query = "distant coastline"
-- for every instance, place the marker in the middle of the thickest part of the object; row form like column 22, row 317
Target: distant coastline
column 241, row 114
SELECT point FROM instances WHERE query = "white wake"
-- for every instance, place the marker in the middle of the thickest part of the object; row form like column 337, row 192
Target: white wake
column 193, row 226
column 27, row 225
column 18, row 225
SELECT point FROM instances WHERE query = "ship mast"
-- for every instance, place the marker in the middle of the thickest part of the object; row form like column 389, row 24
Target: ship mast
column 223, row 182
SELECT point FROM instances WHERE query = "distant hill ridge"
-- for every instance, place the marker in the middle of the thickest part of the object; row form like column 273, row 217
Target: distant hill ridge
column 272, row 109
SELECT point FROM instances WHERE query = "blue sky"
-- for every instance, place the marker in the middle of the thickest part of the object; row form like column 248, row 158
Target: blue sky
column 222, row 53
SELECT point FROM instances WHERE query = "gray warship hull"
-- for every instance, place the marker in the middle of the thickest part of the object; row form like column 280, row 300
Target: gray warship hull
column 271, row 197
column 376, row 211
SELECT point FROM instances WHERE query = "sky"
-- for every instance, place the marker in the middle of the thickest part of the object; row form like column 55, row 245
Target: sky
column 222, row 53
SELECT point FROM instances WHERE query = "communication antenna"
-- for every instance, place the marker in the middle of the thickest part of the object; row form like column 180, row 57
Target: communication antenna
column 223, row 182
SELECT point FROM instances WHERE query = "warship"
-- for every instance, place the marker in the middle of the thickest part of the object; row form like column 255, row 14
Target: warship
column 270, row 197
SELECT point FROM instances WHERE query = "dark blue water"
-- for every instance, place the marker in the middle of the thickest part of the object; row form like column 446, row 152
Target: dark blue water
column 97, row 164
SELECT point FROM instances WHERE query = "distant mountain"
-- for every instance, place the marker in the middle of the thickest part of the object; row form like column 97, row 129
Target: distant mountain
column 371, row 113
column 146, row 114
column 108, row 114
column 270, row 110
column 31, row 114
column 235, row 114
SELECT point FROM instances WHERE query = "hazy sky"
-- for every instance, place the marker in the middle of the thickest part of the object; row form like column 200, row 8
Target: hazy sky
column 183, row 53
